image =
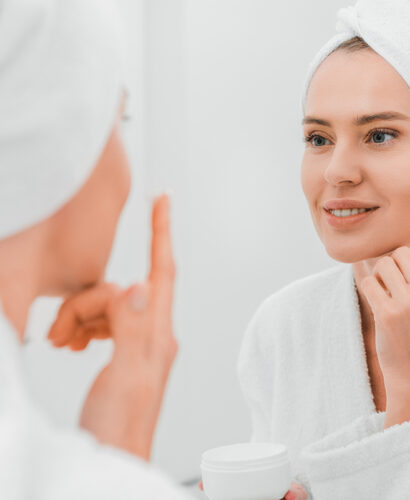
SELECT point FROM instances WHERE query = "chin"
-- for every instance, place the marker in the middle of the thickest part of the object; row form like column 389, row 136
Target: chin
column 347, row 254
column 351, row 255
column 93, row 279
column 88, row 277
column 347, row 259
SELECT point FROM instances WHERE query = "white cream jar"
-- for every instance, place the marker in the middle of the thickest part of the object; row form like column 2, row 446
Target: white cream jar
column 246, row 471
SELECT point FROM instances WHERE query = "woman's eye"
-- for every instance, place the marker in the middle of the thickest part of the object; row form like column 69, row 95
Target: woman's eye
column 379, row 135
column 320, row 141
column 316, row 140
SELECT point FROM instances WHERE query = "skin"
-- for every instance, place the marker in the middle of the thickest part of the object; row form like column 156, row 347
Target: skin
column 69, row 250
column 351, row 161
column 68, row 255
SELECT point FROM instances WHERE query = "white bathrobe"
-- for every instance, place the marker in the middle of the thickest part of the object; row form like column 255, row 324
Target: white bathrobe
column 303, row 371
column 41, row 462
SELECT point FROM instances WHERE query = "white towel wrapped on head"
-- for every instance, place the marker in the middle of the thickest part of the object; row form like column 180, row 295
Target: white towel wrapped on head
column 61, row 80
column 383, row 24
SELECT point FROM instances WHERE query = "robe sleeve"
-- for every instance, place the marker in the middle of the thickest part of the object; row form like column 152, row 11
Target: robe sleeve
column 40, row 461
column 361, row 460
column 254, row 371
column 67, row 464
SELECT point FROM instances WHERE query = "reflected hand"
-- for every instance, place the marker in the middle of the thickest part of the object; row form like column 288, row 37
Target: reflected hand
column 124, row 402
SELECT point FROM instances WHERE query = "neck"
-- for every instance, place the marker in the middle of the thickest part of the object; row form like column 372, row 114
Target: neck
column 16, row 302
column 20, row 278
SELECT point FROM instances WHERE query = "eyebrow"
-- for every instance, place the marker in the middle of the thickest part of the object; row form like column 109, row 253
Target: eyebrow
column 360, row 120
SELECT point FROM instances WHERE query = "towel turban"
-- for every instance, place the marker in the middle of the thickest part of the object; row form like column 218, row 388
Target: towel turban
column 61, row 81
column 383, row 24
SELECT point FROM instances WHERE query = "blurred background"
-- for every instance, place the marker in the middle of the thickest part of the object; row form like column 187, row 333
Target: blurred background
column 215, row 116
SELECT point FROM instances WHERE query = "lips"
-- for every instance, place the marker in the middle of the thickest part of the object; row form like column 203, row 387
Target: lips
column 348, row 221
column 367, row 209
column 340, row 204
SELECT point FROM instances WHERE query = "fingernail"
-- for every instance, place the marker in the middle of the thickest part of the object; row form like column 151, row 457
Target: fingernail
column 158, row 193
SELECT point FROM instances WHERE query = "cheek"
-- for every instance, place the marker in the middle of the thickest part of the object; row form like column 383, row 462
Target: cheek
column 126, row 181
column 109, row 209
column 90, row 228
column 119, row 171
column 311, row 180
column 112, row 194
column 395, row 190
column 390, row 183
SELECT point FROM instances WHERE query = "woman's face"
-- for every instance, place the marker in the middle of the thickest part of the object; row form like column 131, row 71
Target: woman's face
column 369, row 161
column 83, row 230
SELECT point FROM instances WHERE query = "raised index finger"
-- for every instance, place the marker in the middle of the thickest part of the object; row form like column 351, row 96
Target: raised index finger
column 162, row 271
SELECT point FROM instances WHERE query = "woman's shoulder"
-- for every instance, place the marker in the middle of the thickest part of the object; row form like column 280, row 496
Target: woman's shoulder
column 285, row 315
column 304, row 294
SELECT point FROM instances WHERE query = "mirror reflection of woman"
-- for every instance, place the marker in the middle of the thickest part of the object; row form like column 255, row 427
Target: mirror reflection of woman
column 64, row 180
column 325, row 362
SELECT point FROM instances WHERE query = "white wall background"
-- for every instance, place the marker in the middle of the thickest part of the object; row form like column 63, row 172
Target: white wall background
column 215, row 104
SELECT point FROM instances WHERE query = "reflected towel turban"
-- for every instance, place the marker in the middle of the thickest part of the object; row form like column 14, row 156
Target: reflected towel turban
column 61, row 81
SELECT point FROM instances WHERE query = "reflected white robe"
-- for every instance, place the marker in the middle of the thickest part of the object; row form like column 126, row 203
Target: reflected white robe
column 41, row 462
column 303, row 372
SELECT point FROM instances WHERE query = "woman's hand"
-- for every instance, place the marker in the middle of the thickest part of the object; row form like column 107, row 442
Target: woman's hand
column 388, row 293
column 125, row 399
column 296, row 492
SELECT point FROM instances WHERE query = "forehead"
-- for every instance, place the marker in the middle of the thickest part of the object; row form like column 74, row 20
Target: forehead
column 349, row 83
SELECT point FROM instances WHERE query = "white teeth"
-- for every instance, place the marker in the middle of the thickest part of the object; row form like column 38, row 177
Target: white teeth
column 348, row 211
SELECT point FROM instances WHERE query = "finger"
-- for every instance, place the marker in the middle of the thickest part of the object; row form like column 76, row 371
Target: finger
column 296, row 492
column 127, row 315
column 98, row 329
column 162, row 272
column 138, row 296
column 94, row 327
column 84, row 306
column 130, row 304
column 201, row 485
column 393, row 280
column 79, row 344
column 295, row 495
column 402, row 258
column 79, row 331
column 94, row 330
column 374, row 292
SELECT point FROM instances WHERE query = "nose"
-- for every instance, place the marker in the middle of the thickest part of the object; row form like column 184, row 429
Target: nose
column 344, row 166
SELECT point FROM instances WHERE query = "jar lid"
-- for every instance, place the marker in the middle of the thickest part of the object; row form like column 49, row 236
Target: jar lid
column 245, row 456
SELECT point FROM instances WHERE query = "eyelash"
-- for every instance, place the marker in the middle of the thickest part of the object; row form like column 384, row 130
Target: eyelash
column 310, row 137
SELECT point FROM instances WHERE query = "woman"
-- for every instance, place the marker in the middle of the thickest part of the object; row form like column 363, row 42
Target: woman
column 64, row 179
column 325, row 362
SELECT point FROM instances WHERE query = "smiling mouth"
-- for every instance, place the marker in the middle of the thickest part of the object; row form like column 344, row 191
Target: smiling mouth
column 346, row 212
